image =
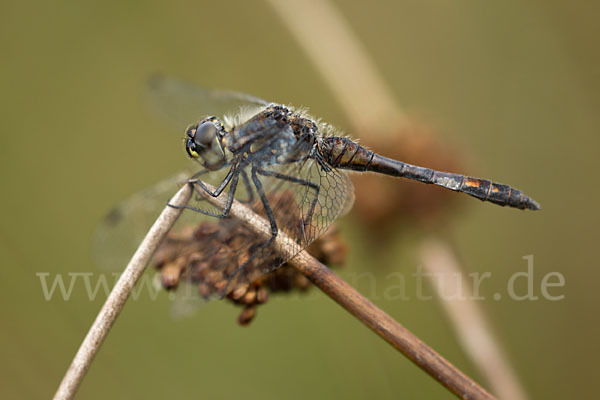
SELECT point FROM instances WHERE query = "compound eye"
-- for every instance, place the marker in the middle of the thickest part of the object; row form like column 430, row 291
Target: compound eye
column 190, row 147
column 191, row 131
column 205, row 134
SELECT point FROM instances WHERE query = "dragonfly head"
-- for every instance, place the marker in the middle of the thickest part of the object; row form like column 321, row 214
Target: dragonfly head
column 204, row 140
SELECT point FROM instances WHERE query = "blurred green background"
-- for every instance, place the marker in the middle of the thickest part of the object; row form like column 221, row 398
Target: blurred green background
column 517, row 83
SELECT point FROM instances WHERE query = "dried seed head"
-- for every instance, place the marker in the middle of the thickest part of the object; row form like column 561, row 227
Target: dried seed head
column 170, row 273
column 250, row 297
column 262, row 295
column 246, row 315
column 239, row 292
column 209, row 253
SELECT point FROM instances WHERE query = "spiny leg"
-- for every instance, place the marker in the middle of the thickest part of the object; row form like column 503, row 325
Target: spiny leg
column 232, row 176
column 299, row 181
column 191, row 178
column 226, row 209
column 274, row 231
column 248, row 187
column 222, row 185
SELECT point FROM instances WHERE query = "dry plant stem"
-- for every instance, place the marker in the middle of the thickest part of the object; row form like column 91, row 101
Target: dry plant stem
column 116, row 300
column 468, row 319
column 359, row 306
column 389, row 329
column 330, row 44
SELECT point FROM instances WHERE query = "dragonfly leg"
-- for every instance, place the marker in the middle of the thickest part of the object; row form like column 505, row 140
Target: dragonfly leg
column 248, row 187
column 226, row 209
column 222, row 185
column 233, row 172
column 274, row 231
column 300, row 181
column 265, row 202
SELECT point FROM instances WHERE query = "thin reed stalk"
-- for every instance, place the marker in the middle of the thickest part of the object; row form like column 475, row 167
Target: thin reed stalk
column 118, row 296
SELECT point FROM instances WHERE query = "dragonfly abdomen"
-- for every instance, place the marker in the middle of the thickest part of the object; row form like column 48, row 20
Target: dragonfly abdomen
column 484, row 190
column 344, row 153
column 341, row 152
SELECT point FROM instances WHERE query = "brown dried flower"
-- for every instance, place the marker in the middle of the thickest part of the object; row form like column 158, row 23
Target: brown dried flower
column 207, row 254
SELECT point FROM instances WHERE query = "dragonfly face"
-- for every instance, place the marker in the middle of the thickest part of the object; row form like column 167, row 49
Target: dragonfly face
column 204, row 140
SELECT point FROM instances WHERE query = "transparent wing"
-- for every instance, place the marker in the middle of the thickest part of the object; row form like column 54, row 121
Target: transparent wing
column 216, row 256
column 300, row 198
column 118, row 234
column 306, row 198
column 182, row 103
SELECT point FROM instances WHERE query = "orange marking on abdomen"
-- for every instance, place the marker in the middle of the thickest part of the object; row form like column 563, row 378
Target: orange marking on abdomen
column 472, row 182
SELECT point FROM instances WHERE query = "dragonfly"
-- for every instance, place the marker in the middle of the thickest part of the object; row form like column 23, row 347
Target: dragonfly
column 288, row 166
